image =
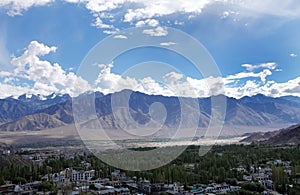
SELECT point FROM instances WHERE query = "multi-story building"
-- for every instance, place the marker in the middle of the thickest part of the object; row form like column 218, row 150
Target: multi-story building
column 82, row 175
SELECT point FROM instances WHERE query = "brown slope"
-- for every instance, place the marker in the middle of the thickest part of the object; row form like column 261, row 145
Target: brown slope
column 33, row 122
column 289, row 136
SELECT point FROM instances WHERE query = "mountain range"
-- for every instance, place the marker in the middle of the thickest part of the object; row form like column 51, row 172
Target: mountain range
column 31, row 113
column 286, row 136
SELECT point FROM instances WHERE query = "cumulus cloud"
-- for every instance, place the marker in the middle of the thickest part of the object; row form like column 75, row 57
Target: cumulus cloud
column 47, row 78
column 111, row 32
column 179, row 22
column 16, row 7
column 262, row 75
column 206, row 87
column 291, row 87
column 149, row 86
column 147, row 13
column 225, row 15
column 141, row 12
column 172, row 77
column 144, row 9
column 148, row 22
column 148, row 9
column 109, row 82
column 8, row 90
column 250, row 88
column 168, row 43
column 268, row 65
column 173, row 84
column 100, row 24
column 264, row 86
column 156, row 32
column 120, row 37
column 177, row 84
column 43, row 76
column 288, row 8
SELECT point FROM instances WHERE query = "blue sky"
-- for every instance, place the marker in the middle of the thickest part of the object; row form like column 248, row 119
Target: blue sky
column 255, row 46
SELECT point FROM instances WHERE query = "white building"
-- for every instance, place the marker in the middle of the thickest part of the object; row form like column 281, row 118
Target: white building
column 6, row 152
column 82, row 175
column 222, row 188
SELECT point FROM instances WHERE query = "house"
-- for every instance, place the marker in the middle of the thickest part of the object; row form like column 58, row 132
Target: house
column 82, row 175
column 144, row 185
column 173, row 188
column 267, row 184
column 85, row 164
column 247, row 177
column 222, row 188
column 104, row 181
column 260, row 177
column 7, row 188
column 241, row 169
column 6, row 152
column 115, row 184
column 114, row 191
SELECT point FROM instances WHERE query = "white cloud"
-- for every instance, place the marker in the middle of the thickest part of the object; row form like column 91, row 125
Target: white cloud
column 179, row 22
column 148, row 22
column 148, row 13
column 288, row 8
column 47, row 78
column 149, row 9
column 144, row 9
column 242, row 75
column 293, row 55
column 225, row 15
column 44, row 77
column 252, row 67
column 149, row 86
column 140, row 23
column 172, row 77
column 156, row 32
column 100, row 24
column 103, row 5
column 120, row 37
column 16, row 7
column 291, row 87
column 109, row 82
column 8, row 79
column 250, row 88
column 5, row 74
column 33, row 75
column 152, row 22
column 168, row 43
column 174, row 84
column 204, row 87
column 111, row 32
column 7, row 90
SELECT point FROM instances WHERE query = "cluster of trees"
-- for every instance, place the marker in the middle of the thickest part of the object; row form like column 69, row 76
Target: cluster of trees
column 18, row 173
column 218, row 165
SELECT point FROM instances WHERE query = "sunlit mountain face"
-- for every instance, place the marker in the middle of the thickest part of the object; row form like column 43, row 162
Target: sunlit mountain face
column 40, row 113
